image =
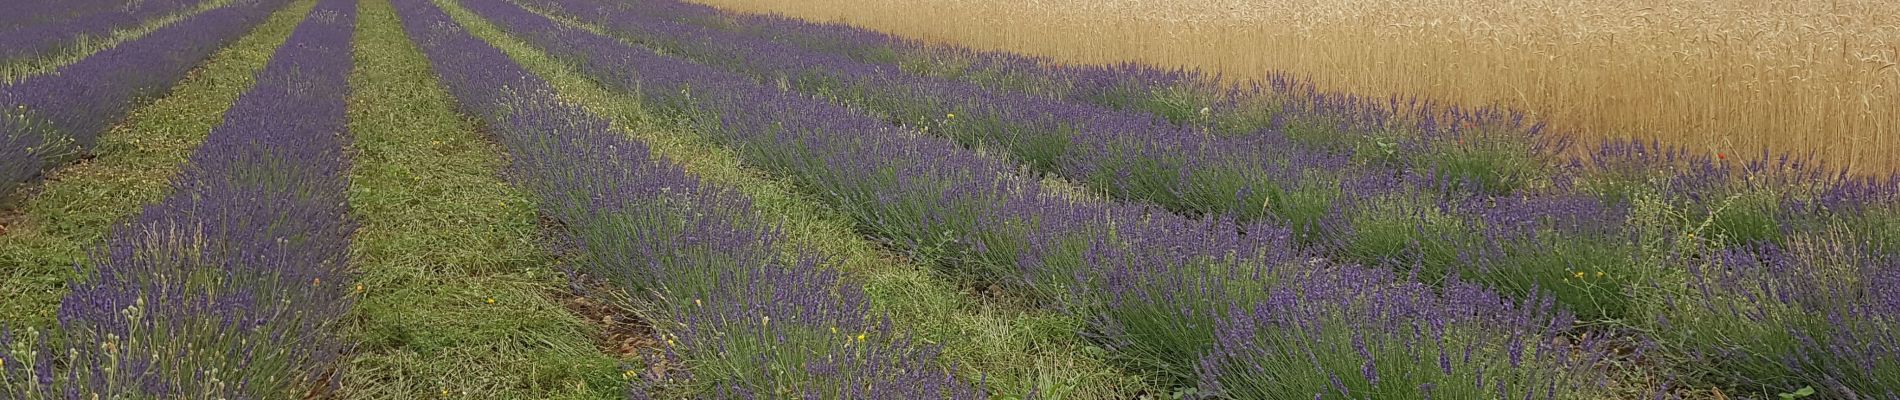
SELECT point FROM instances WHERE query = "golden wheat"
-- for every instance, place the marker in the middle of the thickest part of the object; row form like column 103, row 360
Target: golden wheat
column 1736, row 76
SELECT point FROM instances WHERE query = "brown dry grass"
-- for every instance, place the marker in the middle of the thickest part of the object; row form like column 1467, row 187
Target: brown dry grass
column 1735, row 76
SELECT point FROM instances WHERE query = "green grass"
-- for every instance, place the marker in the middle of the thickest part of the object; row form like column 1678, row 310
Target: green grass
column 442, row 236
column 84, row 46
column 71, row 211
column 1015, row 350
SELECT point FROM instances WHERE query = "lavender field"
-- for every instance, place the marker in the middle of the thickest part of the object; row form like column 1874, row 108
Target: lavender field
column 586, row 199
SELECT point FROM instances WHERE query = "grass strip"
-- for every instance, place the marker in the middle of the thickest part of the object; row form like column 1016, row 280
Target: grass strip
column 456, row 285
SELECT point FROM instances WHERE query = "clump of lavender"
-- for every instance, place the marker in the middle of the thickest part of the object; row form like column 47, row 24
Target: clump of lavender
column 1735, row 201
column 230, row 287
column 1370, row 336
column 1571, row 246
column 47, row 119
column 1821, row 312
column 745, row 321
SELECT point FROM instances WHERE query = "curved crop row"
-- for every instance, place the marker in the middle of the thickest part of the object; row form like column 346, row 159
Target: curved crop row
column 1417, row 217
column 35, row 40
column 747, row 322
column 232, row 286
column 1600, row 237
column 1183, row 96
column 1747, row 256
column 25, row 15
column 1127, row 155
column 1185, row 300
column 1516, row 238
column 47, row 119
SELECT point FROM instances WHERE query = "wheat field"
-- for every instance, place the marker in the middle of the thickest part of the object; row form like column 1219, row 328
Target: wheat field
column 1724, row 76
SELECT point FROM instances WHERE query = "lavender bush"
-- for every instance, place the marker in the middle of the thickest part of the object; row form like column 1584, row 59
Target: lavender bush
column 1396, row 344
column 230, row 287
column 747, row 322
column 53, row 117
column 1821, row 312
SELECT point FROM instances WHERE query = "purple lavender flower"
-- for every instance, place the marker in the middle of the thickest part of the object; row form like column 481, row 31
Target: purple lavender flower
column 232, row 285
column 1163, row 285
column 26, row 42
column 47, row 119
column 763, row 327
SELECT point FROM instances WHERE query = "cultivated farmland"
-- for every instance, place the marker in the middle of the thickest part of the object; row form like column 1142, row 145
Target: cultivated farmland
column 589, row 199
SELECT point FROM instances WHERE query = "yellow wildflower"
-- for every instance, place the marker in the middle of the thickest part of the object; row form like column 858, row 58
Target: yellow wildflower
column 669, row 342
column 951, row 116
column 860, row 337
column 359, row 288
column 491, row 300
column 834, row 330
column 1599, row 274
column 1579, row 274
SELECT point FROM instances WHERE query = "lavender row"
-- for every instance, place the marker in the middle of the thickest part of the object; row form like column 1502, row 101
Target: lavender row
column 751, row 323
column 1795, row 185
column 1364, row 213
column 1799, row 183
column 37, row 13
column 1576, row 240
column 28, row 42
column 1408, row 213
column 1189, row 301
column 50, row 118
column 662, row 18
column 1158, row 90
column 1758, row 292
column 1183, row 96
column 1127, row 155
column 1271, row 175
column 233, row 285
column 1787, row 187
column 1503, row 152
